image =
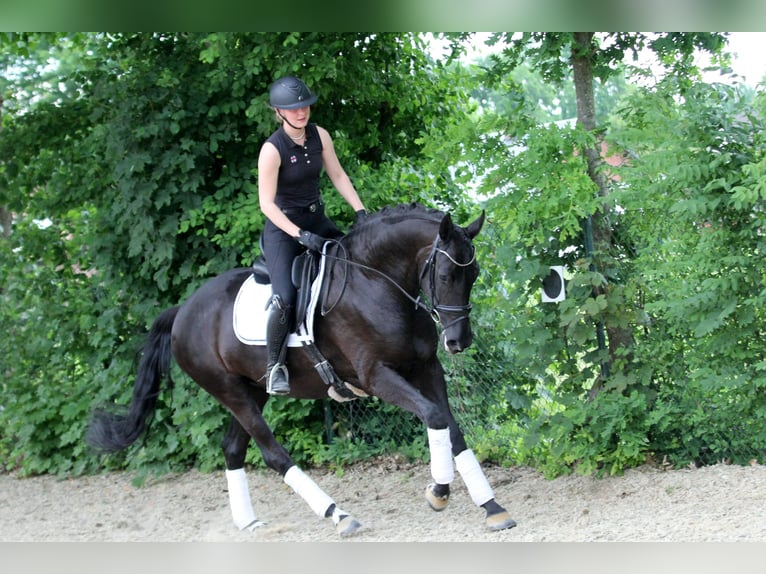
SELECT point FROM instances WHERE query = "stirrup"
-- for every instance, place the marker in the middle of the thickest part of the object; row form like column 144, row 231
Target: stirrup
column 277, row 385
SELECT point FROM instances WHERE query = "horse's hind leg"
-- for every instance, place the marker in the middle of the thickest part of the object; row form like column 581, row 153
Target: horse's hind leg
column 246, row 404
column 234, row 450
column 319, row 501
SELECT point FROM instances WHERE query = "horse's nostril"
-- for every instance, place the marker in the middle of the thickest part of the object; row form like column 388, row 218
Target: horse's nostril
column 457, row 345
column 454, row 346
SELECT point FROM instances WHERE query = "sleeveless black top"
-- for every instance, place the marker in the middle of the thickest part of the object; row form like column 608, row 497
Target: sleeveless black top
column 298, row 178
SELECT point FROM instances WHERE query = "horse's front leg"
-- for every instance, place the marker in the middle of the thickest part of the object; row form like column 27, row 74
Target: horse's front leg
column 442, row 468
column 437, row 493
column 481, row 492
column 445, row 441
column 426, row 396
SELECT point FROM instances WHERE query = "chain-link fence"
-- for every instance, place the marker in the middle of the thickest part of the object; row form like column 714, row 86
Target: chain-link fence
column 505, row 418
column 478, row 388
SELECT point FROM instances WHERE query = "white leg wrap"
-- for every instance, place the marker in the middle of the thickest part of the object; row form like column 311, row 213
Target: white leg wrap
column 440, row 446
column 239, row 500
column 308, row 490
column 475, row 480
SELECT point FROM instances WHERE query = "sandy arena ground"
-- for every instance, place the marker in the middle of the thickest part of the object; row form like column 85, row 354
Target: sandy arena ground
column 716, row 503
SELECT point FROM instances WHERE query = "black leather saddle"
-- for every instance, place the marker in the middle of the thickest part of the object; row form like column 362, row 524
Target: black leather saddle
column 304, row 271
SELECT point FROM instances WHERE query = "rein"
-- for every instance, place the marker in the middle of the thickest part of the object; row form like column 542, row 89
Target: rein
column 416, row 301
column 430, row 268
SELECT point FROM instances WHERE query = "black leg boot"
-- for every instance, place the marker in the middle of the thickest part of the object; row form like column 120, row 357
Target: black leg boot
column 277, row 329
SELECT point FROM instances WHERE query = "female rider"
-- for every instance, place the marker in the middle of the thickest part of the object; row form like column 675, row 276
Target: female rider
column 289, row 166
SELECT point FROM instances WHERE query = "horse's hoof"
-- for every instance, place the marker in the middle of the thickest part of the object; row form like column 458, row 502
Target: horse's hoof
column 347, row 526
column 500, row 521
column 437, row 503
column 253, row 526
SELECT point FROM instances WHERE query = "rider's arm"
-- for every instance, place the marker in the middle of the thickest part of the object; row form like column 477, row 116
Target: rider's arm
column 268, row 169
column 336, row 173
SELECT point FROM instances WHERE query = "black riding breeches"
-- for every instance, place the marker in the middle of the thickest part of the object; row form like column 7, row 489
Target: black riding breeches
column 280, row 249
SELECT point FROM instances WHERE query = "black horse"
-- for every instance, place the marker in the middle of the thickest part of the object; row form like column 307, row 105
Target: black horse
column 387, row 283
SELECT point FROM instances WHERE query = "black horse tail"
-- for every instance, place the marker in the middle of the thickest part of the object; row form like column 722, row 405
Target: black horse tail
column 110, row 431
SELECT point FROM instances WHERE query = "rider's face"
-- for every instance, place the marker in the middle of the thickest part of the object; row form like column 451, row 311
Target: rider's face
column 297, row 117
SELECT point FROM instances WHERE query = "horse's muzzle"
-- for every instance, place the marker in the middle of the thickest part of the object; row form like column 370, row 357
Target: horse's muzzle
column 456, row 334
column 457, row 338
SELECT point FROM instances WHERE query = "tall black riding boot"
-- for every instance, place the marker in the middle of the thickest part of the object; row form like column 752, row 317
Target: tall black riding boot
column 277, row 329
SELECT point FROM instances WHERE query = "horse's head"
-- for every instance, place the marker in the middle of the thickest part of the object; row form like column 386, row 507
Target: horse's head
column 448, row 277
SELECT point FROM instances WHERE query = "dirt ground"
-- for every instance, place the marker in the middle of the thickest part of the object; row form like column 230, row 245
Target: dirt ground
column 715, row 503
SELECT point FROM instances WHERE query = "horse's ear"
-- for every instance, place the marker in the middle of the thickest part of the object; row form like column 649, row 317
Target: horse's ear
column 446, row 227
column 473, row 229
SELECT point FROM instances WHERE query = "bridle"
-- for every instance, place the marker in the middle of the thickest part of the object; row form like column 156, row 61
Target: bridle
column 433, row 308
column 429, row 268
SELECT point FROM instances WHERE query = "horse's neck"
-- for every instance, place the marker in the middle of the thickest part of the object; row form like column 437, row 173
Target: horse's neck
column 401, row 250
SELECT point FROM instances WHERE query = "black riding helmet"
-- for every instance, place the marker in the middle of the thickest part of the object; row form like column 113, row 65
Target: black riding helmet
column 290, row 93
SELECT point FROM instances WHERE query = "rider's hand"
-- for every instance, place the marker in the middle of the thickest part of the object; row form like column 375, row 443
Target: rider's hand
column 361, row 215
column 311, row 241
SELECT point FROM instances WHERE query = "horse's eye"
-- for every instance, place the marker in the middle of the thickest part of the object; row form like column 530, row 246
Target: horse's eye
column 443, row 277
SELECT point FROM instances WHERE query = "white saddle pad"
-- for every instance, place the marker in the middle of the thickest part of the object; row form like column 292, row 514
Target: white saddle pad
column 250, row 312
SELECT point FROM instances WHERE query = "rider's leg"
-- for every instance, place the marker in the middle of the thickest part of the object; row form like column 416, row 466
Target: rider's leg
column 277, row 330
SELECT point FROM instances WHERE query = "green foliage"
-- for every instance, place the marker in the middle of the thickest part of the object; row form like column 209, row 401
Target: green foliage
column 691, row 392
column 710, row 418
column 676, row 269
column 299, row 424
column 371, row 427
column 491, row 400
column 706, row 264
column 603, row 436
column 507, row 95
column 46, row 353
column 703, row 283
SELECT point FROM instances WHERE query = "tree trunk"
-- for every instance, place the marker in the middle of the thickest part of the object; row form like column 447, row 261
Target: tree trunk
column 582, row 67
column 5, row 215
column 5, row 222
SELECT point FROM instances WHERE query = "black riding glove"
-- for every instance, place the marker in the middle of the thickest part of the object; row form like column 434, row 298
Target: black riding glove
column 311, row 241
column 361, row 215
